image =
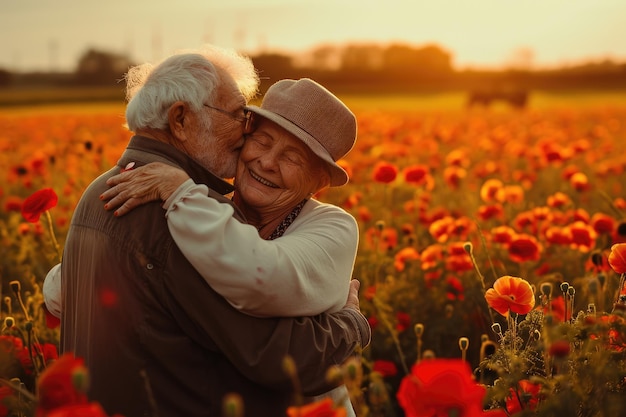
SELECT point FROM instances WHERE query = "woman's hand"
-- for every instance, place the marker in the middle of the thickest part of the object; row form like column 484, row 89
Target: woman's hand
column 133, row 187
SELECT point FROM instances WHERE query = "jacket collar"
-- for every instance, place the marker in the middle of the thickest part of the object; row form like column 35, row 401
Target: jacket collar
column 143, row 150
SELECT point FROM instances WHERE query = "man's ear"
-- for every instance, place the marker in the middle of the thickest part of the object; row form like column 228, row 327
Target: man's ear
column 177, row 117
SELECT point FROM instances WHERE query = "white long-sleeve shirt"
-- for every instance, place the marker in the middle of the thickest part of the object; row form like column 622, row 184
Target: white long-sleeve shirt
column 305, row 272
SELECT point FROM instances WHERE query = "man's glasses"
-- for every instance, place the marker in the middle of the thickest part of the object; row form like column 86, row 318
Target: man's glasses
column 246, row 120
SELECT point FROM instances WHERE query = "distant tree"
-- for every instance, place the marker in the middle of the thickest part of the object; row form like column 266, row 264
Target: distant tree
column 5, row 78
column 101, row 68
column 273, row 67
column 406, row 63
column 362, row 57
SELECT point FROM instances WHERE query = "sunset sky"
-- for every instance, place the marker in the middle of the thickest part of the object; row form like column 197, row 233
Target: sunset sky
column 52, row 34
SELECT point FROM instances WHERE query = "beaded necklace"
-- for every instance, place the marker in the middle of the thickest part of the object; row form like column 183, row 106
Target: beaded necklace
column 280, row 229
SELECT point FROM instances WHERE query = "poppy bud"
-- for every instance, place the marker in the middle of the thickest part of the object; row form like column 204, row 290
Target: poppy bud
column 591, row 308
column 428, row 354
column 596, row 258
column 463, row 343
column 334, row 375
column 564, row 287
column 546, row 288
column 232, row 405
column 571, row 291
column 15, row 286
column 9, row 322
column 419, row 329
column 289, row 366
column 469, row 248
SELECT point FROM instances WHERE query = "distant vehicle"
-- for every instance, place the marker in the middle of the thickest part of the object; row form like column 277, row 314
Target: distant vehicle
column 515, row 98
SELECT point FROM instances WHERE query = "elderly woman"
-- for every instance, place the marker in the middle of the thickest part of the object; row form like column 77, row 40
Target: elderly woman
column 296, row 255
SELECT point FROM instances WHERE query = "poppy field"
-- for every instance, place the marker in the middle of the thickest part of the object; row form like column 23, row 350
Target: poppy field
column 492, row 253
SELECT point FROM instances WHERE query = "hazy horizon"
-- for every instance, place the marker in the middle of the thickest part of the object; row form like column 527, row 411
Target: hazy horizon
column 39, row 35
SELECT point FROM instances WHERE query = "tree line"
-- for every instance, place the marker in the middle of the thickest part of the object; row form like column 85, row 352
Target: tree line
column 356, row 68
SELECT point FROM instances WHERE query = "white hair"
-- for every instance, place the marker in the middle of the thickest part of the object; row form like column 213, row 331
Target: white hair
column 191, row 76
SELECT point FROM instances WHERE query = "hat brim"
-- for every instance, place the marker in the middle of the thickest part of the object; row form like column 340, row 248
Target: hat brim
column 338, row 176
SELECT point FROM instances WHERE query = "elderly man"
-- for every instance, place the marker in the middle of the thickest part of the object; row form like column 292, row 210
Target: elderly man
column 156, row 338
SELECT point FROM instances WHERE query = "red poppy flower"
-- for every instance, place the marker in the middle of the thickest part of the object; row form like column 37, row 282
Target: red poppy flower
column 511, row 294
column 13, row 203
column 454, row 289
column 491, row 211
column 583, row 236
column 5, row 392
column 527, row 392
column 603, row 223
column 502, row 234
column 416, row 174
column 385, row 368
column 558, row 235
column 440, row 387
column 79, row 410
column 558, row 200
column 323, row 408
column 523, row 248
column 617, row 258
column 38, row 203
column 385, row 172
column 364, row 213
column 403, row 321
column 56, row 386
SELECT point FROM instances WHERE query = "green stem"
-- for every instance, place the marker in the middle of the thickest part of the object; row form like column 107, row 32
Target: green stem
column 55, row 243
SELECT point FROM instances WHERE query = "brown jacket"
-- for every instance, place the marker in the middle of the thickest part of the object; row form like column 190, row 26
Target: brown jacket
column 157, row 340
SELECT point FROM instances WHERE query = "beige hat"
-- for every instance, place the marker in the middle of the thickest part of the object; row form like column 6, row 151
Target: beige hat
column 314, row 115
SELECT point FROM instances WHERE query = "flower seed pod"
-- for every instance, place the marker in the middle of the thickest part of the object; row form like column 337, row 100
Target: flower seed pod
column 463, row 343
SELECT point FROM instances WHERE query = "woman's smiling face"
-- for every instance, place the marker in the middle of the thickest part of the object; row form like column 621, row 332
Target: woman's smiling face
column 276, row 170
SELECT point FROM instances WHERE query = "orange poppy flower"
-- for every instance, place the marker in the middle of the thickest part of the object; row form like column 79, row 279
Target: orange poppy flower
column 491, row 191
column 323, row 408
column 558, row 200
column 38, row 203
column 403, row 256
column 617, row 258
column 579, row 181
column 511, row 294
column 454, row 175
